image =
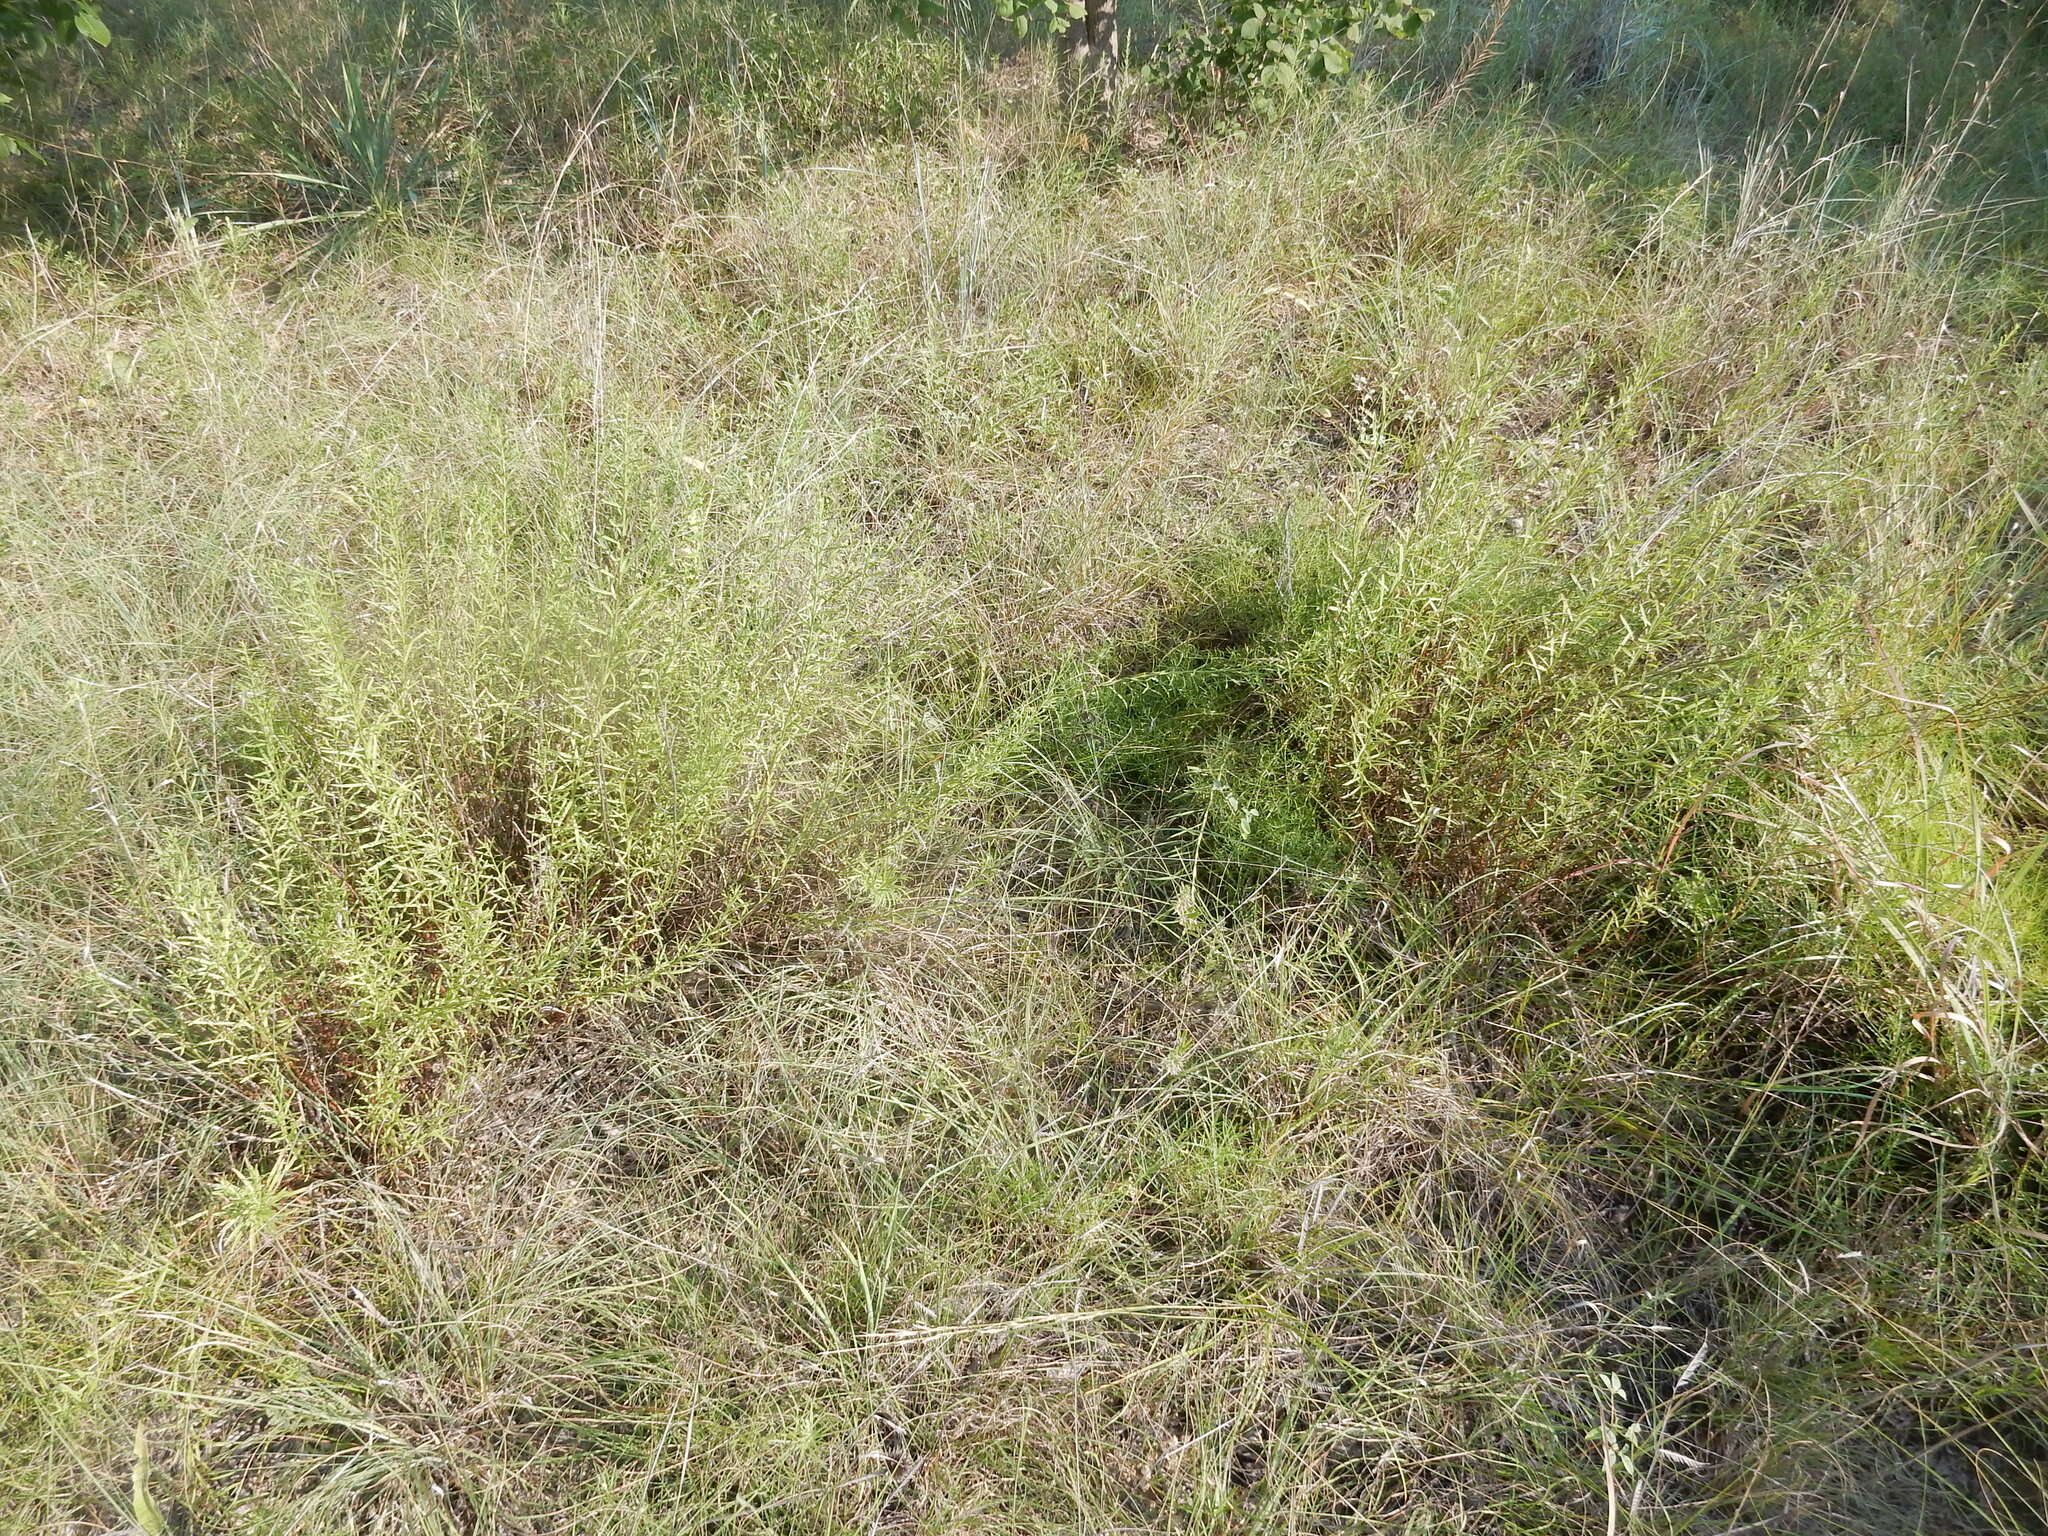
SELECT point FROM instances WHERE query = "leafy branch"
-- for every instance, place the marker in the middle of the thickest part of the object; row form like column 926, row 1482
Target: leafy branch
column 1263, row 53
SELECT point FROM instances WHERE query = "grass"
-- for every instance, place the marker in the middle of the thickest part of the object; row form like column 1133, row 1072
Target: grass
column 828, row 800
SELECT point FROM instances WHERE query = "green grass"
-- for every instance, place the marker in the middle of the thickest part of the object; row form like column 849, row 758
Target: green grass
column 887, row 809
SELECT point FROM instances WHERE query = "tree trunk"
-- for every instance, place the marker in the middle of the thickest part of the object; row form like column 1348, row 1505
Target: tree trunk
column 1093, row 44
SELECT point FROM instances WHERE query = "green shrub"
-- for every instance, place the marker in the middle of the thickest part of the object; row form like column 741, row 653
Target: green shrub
column 1265, row 53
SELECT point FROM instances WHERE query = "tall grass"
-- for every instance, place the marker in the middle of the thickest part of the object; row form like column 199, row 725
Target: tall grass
column 997, row 823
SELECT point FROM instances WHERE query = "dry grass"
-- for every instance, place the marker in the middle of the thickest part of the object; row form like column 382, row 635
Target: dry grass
column 1326, row 829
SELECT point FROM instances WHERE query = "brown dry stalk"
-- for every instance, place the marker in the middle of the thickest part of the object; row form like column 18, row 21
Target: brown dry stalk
column 1482, row 49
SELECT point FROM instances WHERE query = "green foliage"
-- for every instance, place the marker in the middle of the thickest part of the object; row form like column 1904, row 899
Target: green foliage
column 1250, row 53
column 1022, row 15
column 1264, row 53
column 27, row 25
column 31, row 27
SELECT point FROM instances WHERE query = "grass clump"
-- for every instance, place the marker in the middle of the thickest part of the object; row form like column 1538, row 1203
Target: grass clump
column 994, row 825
